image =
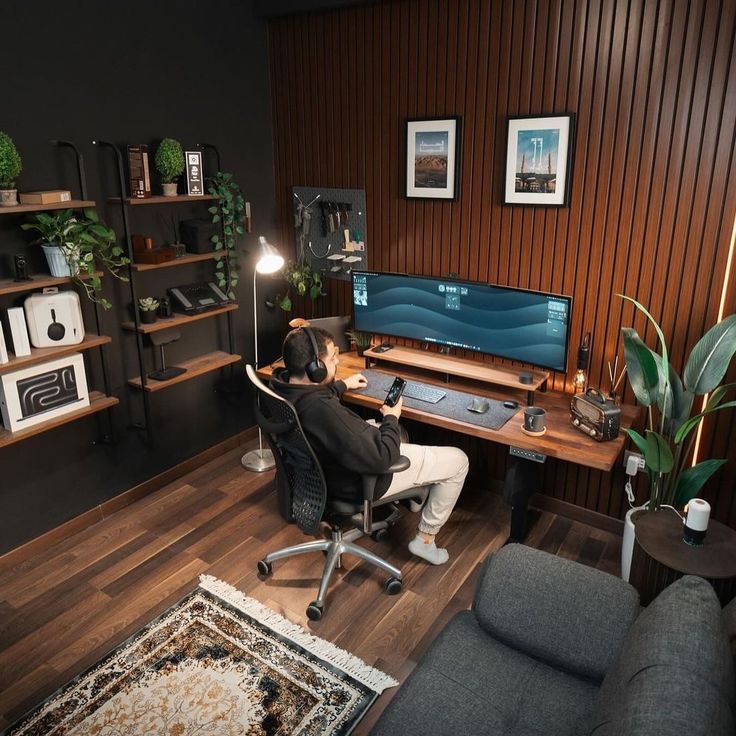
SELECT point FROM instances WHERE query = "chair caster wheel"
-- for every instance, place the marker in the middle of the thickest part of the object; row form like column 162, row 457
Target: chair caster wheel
column 393, row 586
column 314, row 612
column 380, row 535
column 264, row 568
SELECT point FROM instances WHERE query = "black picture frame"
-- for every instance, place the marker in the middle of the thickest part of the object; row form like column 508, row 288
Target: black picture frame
column 539, row 157
column 433, row 157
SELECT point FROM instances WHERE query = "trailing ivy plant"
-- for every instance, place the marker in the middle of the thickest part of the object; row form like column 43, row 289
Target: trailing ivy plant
column 671, row 430
column 300, row 275
column 229, row 212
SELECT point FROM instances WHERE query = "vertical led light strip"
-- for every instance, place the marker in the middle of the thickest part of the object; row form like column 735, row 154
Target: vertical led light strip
column 721, row 310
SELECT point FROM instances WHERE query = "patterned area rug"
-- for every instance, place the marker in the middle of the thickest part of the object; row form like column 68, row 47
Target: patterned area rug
column 216, row 663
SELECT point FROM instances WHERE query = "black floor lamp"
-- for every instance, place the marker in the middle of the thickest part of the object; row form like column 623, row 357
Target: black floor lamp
column 269, row 261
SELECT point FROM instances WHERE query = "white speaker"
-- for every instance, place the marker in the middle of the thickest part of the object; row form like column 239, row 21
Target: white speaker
column 54, row 318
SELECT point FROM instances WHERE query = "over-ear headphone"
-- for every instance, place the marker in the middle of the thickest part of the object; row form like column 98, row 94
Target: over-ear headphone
column 316, row 370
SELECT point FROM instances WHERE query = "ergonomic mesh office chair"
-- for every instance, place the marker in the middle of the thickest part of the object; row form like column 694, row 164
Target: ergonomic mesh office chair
column 300, row 479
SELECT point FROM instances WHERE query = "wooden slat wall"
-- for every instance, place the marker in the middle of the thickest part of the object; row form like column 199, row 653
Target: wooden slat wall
column 653, row 88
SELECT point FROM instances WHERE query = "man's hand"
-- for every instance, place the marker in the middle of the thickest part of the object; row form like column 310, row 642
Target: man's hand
column 395, row 410
column 357, row 380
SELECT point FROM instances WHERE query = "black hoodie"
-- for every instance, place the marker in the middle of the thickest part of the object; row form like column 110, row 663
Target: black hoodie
column 345, row 444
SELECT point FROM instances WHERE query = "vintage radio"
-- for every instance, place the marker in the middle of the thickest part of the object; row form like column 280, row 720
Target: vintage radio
column 595, row 415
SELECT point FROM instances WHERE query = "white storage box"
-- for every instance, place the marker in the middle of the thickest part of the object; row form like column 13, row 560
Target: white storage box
column 54, row 318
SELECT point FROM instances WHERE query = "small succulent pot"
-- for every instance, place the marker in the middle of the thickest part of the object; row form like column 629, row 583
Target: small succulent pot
column 170, row 189
column 8, row 197
column 148, row 316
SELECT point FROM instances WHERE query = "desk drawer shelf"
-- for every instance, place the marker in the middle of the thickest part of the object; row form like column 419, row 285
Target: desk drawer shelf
column 41, row 355
column 195, row 367
column 164, row 324
column 97, row 402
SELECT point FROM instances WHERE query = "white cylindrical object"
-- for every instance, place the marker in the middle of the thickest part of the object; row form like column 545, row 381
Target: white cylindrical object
column 698, row 514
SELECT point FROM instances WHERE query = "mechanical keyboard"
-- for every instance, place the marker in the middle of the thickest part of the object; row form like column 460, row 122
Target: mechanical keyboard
column 421, row 392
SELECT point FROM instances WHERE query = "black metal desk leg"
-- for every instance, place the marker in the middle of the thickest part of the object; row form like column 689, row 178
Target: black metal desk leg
column 523, row 479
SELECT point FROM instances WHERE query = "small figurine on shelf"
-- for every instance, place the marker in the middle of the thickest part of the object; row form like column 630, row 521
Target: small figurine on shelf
column 147, row 307
column 10, row 167
column 170, row 164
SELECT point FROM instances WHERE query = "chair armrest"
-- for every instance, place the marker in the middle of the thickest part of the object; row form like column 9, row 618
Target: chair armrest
column 369, row 481
column 566, row 614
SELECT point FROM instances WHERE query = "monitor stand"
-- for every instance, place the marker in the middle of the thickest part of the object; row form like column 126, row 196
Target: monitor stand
column 452, row 366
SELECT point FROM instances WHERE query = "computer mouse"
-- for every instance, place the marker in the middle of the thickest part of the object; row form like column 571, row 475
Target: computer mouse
column 511, row 404
column 479, row 406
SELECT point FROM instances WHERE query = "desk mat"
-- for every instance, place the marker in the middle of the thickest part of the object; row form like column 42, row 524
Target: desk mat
column 454, row 405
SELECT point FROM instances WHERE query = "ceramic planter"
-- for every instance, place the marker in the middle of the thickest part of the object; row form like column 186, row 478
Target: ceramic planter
column 148, row 317
column 169, row 189
column 58, row 264
column 8, row 197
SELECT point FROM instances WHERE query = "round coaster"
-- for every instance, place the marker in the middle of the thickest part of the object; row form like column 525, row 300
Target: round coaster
column 533, row 434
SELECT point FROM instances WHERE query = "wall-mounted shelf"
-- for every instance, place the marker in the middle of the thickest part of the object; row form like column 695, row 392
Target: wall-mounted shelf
column 165, row 323
column 97, row 402
column 9, row 286
column 72, row 204
column 41, row 355
column 188, row 258
column 194, row 367
column 135, row 201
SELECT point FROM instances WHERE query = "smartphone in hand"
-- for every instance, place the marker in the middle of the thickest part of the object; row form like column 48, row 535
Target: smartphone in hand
column 394, row 393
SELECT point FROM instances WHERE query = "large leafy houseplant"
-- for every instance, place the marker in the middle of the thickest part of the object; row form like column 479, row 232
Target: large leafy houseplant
column 229, row 212
column 671, row 430
column 301, row 276
column 85, row 243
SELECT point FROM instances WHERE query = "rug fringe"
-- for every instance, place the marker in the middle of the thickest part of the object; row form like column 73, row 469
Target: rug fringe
column 355, row 667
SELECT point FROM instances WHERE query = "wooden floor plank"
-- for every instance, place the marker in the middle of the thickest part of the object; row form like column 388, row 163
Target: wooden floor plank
column 69, row 605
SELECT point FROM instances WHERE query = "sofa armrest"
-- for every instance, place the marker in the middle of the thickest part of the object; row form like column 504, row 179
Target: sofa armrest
column 566, row 614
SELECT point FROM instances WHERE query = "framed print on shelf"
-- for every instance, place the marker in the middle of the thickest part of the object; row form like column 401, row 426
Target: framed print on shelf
column 432, row 158
column 539, row 160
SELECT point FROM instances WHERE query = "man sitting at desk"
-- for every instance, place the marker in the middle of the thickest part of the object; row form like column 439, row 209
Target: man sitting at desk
column 347, row 446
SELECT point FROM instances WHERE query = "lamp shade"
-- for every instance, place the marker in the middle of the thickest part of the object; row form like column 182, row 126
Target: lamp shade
column 269, row 259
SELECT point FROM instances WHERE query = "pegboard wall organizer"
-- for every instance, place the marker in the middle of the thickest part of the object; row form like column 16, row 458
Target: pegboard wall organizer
column 330, row 228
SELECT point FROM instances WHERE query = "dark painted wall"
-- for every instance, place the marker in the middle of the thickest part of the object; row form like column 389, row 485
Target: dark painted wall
column 132, row 72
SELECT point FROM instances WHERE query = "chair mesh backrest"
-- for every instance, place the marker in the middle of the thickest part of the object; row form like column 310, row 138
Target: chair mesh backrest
column 296, row 462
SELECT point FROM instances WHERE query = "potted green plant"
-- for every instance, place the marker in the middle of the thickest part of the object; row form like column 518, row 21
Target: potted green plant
column 169, row 162
column 10, row 168
column 76, row 245
column 361, row 340
column 670, row 434
column 229, row 212
column 304, row 278
column 147, row 307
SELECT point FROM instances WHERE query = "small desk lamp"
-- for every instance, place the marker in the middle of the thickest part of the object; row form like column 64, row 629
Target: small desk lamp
column 269, row 261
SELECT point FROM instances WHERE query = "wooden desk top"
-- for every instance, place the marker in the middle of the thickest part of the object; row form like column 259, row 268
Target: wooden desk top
column 659, row 534
column 561, row 441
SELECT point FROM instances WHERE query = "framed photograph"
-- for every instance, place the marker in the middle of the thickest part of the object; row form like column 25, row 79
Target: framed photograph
column 33, row 395
column 539, row 160
column 432, row 158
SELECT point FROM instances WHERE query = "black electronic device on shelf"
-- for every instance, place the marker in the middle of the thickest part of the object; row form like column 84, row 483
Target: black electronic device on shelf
column 199, row 297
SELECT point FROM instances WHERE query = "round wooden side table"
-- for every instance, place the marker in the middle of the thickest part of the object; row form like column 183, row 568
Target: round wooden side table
column 661, row 557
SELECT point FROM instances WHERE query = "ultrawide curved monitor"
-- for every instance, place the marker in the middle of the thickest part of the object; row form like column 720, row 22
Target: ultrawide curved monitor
column 527, row 326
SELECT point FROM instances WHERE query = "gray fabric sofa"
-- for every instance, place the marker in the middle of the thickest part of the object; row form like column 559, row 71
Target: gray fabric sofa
column 552, row 647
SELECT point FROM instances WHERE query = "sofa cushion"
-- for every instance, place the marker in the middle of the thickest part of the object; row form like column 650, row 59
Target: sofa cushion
column 469, row 683
column 675, row 673
column 563, row 613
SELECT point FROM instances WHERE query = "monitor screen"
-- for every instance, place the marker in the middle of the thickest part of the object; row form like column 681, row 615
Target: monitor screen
column 528, row 326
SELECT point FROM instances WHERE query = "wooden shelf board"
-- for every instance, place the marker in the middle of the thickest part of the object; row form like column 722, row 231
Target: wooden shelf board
column 195, row 367
column 188, row 258
column 98, row 402
column 182, row 319
column 41, row 355
column 72, row 204
column 462, row 367
column 159, row 199
column 41, row 281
